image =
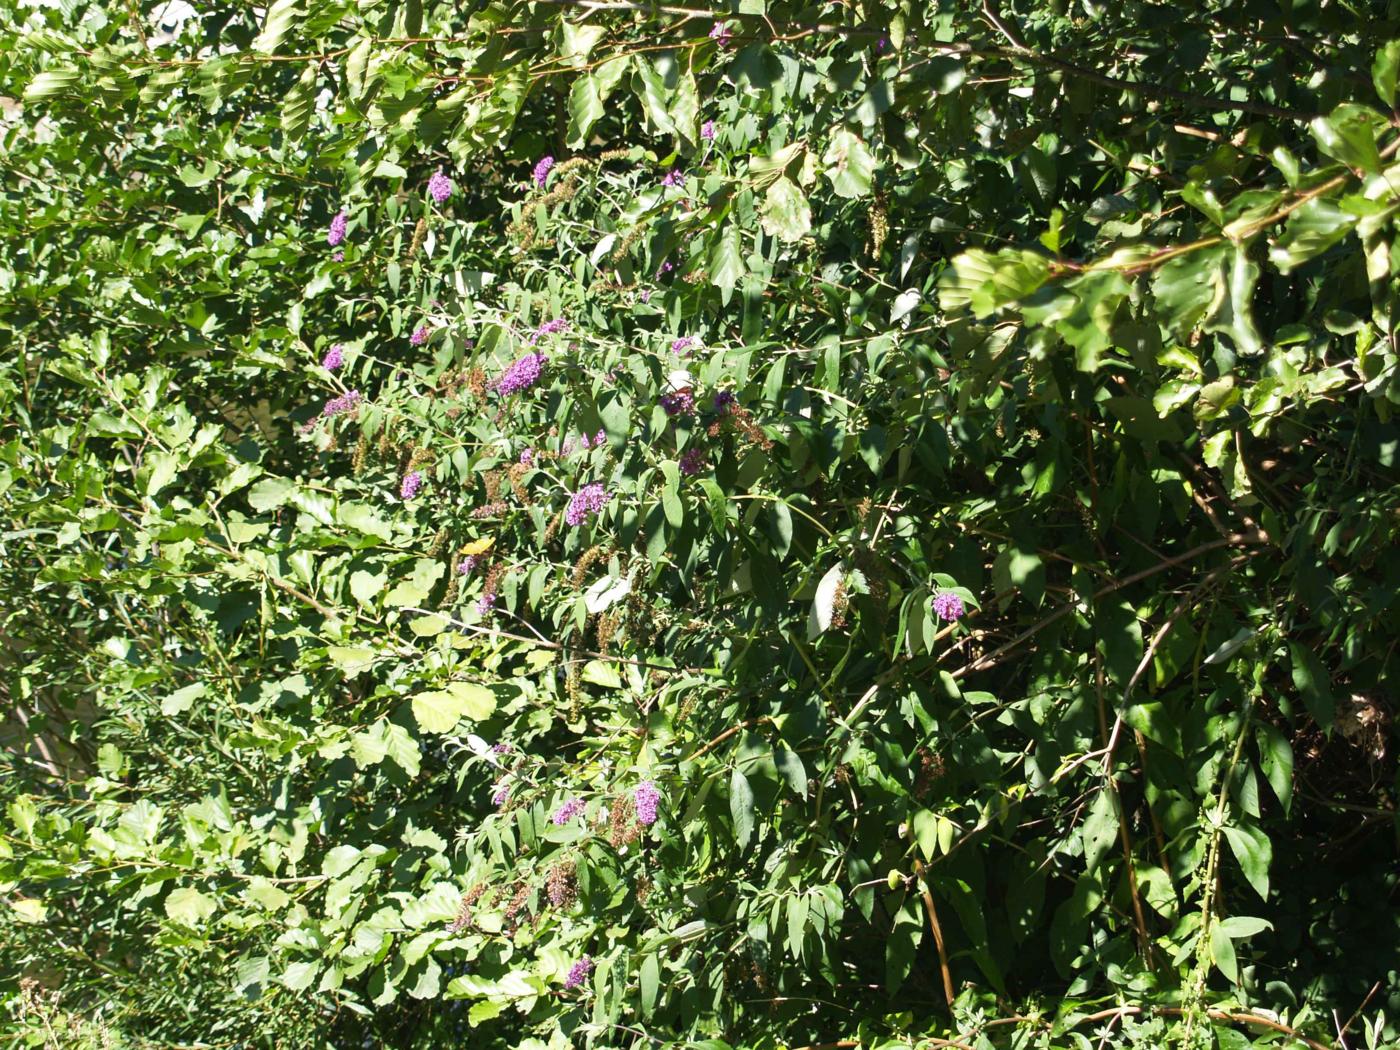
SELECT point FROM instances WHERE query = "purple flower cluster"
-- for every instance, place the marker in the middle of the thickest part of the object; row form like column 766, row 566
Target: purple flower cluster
column 578, row 973
column 339, row 256
column 947, row 605
column 646, row 796
column 591, row 499
column 681, row 345
column 724, row 400
column 541, row 172
column 486, row 603
column 344, row 403
column 439, row 186
column 720, row 34
column 583, row 444
column 559, row 324
column 522, row 374
column 692, row 461
column 527, row 457
column 680, row 403
column 502, row 793
column 412, row 482
column 420, row 335
column 674, row 177
column 500, row 749
column 336, row 233
column 335, row 357
column 707, row 131
column 468, row 564
column 567, row 812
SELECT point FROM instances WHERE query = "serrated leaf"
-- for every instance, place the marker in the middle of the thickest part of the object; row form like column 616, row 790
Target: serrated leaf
column 785, row 213
column 439, row 710
column 849, row 164
column 281, row 16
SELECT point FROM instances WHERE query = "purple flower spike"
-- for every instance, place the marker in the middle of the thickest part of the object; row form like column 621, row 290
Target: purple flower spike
column 674, row 177
column 707, row 131
column 412, row 482
column 336, row 233
column 502, row 793
column 439, row 186
column 527, row 457
column 724, row 400
column 692, row 461
column 344, row 403
column 948, row 605
column 720, row 34
column 468, row 564
column 646, row 796
column 591, row 499
column 420, row 335
column 521, row 375
column 335, row 357
column 339, row 256
column 681, row 403
column 578, row 973
column 567, row 812
column 599, row 438
column 541, row 172
column 559, row 324
column 486, row 603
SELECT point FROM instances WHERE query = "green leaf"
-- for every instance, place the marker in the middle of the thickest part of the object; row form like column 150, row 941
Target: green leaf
column 51, row 82
column 1234, row 311
column 741, row 807
column 180, row 701
column 649, row 983
column 1254, row 852
column 849, row 164
column 439, row 711
column 1310, row 231
column 1186, row 286
column 1119, row 638
column 601, row 673
column 984, row 282
column 726, row 263
column 785, row 213
column 187, row 905
column 1276, row 760
column 1384, row 72
column 1313, row 684
column 414, row 591
column 1222, row 954
column 299, row 104
column 281, row 16
column 1349, row 134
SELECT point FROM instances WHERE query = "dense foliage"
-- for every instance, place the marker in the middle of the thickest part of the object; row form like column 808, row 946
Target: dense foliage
column 551, row 524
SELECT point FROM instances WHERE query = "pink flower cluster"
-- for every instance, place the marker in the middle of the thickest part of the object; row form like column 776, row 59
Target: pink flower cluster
column 645, row 797
column 336, row 234
column 578, row 973
column 681, row 403
column 344, row 403
column 559, row 324
column 439, row 186
column 591, row 499
column 567, row 812
column 582, row 444
column 522, row 374
column 692, row 461
column 948, row 605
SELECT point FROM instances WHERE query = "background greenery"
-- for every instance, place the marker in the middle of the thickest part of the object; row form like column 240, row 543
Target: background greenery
column 1083, row 312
